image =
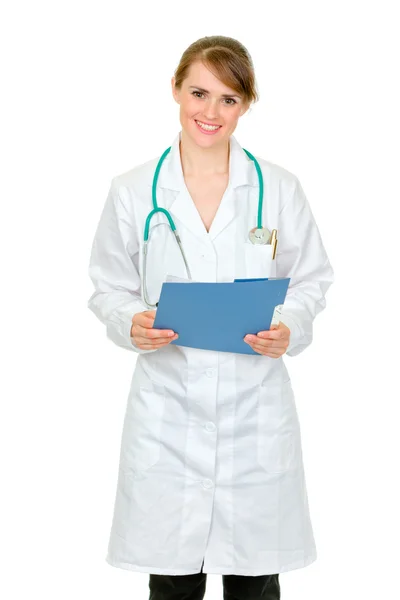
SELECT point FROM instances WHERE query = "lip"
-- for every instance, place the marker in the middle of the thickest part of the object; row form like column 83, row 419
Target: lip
column 204, row 132
column 205, row 123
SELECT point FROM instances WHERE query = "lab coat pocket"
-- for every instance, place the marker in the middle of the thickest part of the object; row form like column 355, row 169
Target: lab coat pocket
column 258, row 261
column 277, row 427
column 143, row 426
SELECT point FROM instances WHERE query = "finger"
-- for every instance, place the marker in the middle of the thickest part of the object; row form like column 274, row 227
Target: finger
column 146, row 344
column 155, row 333
column 278, row 349
column 254, row 339
column 272, row 353
column 161, row 341
column 157, row 340
column 272, row 334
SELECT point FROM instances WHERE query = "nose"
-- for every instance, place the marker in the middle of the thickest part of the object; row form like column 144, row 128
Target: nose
column 211, row 110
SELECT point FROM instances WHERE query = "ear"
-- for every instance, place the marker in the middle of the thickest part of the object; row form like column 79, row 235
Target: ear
column 175, row 92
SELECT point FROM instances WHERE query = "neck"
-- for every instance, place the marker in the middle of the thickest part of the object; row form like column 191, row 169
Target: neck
column 203, row 162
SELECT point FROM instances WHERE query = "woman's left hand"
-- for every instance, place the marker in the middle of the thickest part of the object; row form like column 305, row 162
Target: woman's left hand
column 272, row 342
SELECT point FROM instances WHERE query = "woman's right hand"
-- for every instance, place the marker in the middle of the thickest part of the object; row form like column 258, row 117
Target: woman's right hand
column 147, row 338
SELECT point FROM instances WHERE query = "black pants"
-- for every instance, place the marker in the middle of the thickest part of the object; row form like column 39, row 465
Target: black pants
column 193, row 587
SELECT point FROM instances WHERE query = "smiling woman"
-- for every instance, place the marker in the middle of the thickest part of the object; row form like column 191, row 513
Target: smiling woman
column 214, row 84
column 228, row 60
column 211, row 477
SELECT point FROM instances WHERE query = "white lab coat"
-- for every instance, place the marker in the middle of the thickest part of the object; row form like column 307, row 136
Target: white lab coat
column 211, row 461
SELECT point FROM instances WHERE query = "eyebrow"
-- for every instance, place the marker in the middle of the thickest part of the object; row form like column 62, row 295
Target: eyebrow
column 207, row 92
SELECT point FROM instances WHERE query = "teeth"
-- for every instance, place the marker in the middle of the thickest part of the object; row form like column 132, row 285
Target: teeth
column 208, row 127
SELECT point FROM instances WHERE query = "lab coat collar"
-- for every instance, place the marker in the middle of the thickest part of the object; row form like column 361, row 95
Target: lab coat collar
column 242, row 172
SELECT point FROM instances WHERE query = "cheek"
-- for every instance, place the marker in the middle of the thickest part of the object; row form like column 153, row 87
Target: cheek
column 232, row 121
column 233, row 116
column 189, row 109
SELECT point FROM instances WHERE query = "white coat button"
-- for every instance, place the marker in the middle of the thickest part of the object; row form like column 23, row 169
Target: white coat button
column 211, row 372
column 207, row 483
column 210, row 426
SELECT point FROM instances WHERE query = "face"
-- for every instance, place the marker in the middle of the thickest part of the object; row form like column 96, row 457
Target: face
column 205, row 98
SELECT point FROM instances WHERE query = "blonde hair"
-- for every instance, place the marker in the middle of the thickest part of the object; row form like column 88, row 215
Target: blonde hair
column 227, row 59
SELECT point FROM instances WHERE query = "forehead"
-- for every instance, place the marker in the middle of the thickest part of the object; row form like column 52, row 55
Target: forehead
column 200, row 76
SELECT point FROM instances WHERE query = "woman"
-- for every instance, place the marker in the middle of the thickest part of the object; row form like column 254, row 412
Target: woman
column 211, row 477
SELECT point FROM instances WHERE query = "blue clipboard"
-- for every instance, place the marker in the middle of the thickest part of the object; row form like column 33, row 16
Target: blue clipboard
column 217, row 316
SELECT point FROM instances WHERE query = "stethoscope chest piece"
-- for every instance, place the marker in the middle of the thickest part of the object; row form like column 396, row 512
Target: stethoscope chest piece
column 259, row 235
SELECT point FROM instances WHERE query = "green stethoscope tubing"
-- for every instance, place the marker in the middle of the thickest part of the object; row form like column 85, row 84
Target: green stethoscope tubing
column 172, row 224
column 163, row 210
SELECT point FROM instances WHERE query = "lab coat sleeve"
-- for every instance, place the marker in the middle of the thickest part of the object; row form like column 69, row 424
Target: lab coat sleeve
column 302, row 257
column 114, row 272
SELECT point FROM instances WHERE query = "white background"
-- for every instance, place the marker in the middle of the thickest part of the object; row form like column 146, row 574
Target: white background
column 86, row 96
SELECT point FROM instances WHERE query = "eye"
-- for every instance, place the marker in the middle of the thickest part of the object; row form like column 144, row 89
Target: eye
column 231, row 103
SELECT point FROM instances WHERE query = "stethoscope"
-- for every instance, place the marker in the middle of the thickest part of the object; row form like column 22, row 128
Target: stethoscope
column 257, row 235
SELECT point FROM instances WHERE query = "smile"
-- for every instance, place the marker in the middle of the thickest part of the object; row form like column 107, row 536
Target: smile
column 206, row 127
